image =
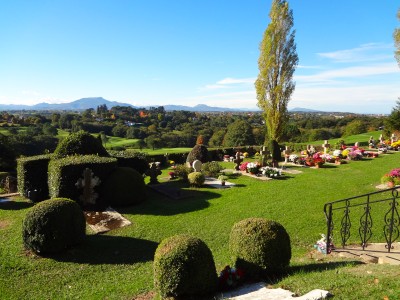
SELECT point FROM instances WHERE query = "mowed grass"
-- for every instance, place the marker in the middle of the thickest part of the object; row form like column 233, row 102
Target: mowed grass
column 118, row 264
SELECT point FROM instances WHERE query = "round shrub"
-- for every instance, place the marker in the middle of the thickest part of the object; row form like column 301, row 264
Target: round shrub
column 199, row 152
column 82, row 143
column 183, row 171
column 259, row 247
column 53, row 225
column 196, row 179
column 183, row 267
column 212, row 168
column 124, row 187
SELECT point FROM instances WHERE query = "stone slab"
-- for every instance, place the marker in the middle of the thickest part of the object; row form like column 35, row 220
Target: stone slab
column 259, row 291
column 103, row 221
column 215, row 183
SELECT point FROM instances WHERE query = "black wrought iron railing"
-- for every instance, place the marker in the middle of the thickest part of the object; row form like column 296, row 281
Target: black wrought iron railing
column 365, row 215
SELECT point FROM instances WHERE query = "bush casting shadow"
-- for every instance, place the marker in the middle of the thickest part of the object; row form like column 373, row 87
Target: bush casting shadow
column 160, row 205
column 105, row 249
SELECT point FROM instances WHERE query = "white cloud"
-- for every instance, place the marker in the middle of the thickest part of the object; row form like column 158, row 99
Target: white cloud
column 229, row 83
column 366, row 52
column 349, row 72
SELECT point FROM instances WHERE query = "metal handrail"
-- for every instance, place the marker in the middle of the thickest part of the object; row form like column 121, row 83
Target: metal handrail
column 391, row 228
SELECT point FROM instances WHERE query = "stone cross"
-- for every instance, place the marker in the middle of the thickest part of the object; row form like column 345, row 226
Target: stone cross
column 326, row 146
column 237, row 160
column 393, row 138
column 286, row 153
column 87, row 183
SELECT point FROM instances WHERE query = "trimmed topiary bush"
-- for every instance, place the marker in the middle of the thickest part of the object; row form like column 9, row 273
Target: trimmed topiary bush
column 66, row 177
column 199, row 152
column 32, row 174
column 184, row 267
column 132, row 159
column 196, row 179
column 259, row 247
column 182, row 171
column 53, row 225
column 212, row 168
column 82, row 143
column 124, row 186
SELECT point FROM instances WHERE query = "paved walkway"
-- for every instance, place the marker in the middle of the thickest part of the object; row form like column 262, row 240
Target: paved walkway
column 373, row 253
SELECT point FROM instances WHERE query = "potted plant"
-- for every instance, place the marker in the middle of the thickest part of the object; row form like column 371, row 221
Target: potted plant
column 387, row 180
column 223, row 179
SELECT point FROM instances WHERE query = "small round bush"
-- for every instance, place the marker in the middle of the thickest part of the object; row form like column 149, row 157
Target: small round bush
column 81, row 143
column 199, row 152
column 212, row 168
column 123, row 187
column 183, row 267
column 259, row 247
column 196, row 179
column 53, row 225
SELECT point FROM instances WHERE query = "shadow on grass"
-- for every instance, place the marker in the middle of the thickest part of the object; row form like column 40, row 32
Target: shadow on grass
column 159, row 204
column 9, row 204
column 105, row 249
column 310, row 268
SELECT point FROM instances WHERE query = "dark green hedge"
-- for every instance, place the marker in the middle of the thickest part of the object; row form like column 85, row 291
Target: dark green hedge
column 134, row 160
column 65, row 172
column 82, row 143
column 32, row 174
column 53, row 226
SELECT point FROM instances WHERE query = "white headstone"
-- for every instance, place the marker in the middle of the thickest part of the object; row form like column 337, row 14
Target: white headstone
column 197, row 165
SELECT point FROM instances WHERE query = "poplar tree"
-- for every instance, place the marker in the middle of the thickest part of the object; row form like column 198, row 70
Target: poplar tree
column 277, row 62
column 396, row 36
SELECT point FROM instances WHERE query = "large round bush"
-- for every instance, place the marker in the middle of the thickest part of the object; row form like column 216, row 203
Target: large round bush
column 125, row 186
column 53, row 225
column 199, row 152
column 260, row 246
column 183, row 267
column 82, row 143
column 196, row 179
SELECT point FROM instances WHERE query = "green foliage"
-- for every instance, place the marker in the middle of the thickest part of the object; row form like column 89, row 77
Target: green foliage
column 53, row 226
column 82, row 143
column 32, row 174
column 277, row 63
column 125, row 186
column 239, row 133
column 212, row 168
column 65, row 172
column 132, row 159
column 260, row 246
column 199, row 152
column 182, row 171
column 275, row 150
column 196, row 179
column 355, row 127
column 184, row 267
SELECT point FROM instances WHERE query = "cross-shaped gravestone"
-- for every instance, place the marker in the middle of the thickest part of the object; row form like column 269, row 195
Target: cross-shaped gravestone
column 286, row 153
column 238, row 160
column 326, row 146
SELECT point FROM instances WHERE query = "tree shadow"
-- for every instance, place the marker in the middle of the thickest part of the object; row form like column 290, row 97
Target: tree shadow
column 159, row 204
column 106, row 249
column 9, row 204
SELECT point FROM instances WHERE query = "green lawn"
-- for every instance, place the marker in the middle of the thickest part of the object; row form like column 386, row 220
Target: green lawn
column 118, row 264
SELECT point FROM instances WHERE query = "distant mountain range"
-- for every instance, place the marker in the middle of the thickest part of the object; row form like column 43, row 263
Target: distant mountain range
column 94, row 102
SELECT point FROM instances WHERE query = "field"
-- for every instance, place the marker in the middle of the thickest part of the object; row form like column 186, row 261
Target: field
column 118, row 265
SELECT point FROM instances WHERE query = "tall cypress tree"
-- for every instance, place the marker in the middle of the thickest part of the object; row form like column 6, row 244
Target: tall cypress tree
column 277, row 62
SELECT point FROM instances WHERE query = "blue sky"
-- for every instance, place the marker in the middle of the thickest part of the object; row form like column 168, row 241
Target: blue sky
column 188, row 52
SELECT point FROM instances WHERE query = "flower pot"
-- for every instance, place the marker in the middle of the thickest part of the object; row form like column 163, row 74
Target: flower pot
column 390, row 184
column 223, row 183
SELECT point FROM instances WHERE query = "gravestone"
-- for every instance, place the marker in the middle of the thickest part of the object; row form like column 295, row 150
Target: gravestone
column 326, row 146
column 197, row 165
column 238, row 160
column 286, row 153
